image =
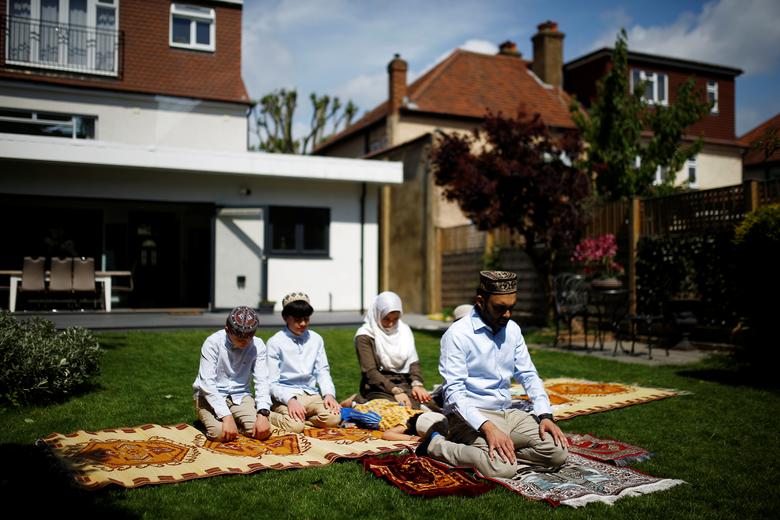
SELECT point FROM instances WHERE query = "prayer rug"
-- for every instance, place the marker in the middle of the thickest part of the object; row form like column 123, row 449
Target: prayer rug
column 154, row 454
column 425, row 477
column 581, row 481
column 573, row 397
column 606, row 450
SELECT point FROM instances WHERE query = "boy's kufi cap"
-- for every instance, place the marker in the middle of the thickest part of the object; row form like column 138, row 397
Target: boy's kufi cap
column 242, row 321
column 295, row 297
column 498, row 282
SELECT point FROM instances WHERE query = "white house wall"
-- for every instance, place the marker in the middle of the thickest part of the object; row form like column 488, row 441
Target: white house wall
column 332, row 283
column 140, row 119
column 238, row 253
column 716, row 167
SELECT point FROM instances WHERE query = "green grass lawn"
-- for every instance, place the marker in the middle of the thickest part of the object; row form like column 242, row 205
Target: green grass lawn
column 722, row 440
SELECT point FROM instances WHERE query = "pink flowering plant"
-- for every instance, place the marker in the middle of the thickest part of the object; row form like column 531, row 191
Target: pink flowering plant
column 596, row 257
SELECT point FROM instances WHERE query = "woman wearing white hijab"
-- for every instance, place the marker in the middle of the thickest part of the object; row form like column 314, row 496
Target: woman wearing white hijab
column 388, row 360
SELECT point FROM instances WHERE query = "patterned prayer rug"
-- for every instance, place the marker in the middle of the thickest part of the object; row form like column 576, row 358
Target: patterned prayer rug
column 425, row 477
column 581, row 481
column 573, row 397
column 153, row 454
column 606, row 450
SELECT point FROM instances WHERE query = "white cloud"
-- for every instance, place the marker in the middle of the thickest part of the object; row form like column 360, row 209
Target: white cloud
column 742, row 34
column 480, row 46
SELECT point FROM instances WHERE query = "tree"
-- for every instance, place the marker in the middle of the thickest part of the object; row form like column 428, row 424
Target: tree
column 767, row 144
column 613, row 132
column 274, row 115
column 513, row 172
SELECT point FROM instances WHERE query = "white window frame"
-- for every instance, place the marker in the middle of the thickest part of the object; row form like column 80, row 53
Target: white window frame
column 194, row 14
column 62, row 62
column 652, row 78
column 712, row 88
column 38, row 117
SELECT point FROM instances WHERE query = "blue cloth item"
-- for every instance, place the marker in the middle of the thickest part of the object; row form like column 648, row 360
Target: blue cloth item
column 368, row 420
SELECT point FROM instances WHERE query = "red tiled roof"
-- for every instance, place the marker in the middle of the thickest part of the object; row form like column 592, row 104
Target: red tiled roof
column 468, row 84
column 753, row 156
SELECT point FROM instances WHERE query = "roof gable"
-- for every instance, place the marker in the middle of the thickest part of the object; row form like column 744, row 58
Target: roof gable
column 753, row 156
column 468, row 84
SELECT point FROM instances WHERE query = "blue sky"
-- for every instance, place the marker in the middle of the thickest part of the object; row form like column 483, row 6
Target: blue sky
column 342, row 47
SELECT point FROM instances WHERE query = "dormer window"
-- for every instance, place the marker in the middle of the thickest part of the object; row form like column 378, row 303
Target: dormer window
column 656, row 91
column 193, row 27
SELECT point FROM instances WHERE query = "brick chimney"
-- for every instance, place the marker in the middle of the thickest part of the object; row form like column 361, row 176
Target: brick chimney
column 509, row 48
column 397, row 71
column 548, row 53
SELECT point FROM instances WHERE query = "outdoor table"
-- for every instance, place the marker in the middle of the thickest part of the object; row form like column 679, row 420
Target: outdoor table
column 101, row 277
column 611, row 306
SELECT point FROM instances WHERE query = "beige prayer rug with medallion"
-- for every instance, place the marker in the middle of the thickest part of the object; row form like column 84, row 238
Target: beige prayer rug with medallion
column 154, row 454
column 573, row 397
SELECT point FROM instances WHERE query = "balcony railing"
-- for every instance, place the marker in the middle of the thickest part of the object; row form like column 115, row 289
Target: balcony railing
column 29, row 42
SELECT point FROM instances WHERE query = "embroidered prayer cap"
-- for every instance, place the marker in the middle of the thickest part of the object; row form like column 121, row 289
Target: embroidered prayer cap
column 498, row 282
column 295, row 297
column 242, row 322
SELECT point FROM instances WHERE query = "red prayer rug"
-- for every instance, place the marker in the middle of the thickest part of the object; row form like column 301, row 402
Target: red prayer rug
column 606, row 450
column 581, row 481
column 425, row 477
column 154, row 454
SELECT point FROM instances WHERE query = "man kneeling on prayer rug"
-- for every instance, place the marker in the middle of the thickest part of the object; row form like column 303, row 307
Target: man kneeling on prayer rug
column 480, row 353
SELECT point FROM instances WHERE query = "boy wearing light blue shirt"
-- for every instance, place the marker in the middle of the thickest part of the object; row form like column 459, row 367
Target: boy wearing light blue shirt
column 229, row 359
column 301, row 386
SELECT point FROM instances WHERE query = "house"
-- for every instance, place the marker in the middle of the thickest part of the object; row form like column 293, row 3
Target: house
column 123, row 137
column 453, row 96
column 719, row 161
column 761, row 159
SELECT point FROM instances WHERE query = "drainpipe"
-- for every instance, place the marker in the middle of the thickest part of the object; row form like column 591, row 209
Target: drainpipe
column 362, row 243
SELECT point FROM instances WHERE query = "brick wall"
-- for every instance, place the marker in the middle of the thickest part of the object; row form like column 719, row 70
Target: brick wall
column 151, row 65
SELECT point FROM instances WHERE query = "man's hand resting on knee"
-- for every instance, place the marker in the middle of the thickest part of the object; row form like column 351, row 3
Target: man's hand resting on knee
column 499, row 441
column 546, row 425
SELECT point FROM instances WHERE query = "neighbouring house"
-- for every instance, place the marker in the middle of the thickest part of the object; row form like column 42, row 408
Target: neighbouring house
column 453, row 96
column 718, row 163
column 123, row 137
column 761, row 159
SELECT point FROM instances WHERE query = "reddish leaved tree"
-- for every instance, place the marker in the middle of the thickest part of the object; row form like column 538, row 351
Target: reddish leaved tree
column 514, row 172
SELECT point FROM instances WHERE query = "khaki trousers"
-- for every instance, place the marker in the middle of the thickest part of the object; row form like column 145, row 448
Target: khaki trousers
column 465, row 446
column 244, row 413
column 317, row 414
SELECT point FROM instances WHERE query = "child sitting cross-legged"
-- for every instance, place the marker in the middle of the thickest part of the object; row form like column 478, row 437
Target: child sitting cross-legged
column 302, row 390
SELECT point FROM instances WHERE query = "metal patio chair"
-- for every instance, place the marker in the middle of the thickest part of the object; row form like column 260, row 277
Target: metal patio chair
column 571, row 301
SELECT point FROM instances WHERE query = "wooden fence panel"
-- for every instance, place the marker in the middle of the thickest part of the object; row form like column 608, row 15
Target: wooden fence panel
column 460, row 276
column 610, row 218
column 718, row 209
column 769, row 192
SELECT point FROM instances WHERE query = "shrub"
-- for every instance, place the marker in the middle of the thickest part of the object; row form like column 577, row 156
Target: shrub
column 39, row 365
column 757, row 241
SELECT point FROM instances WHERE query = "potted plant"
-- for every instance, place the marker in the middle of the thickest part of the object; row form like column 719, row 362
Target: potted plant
column 596, row 258
column 266, row 306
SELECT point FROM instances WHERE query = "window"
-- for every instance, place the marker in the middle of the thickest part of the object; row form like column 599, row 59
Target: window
column 77, row 35
column 299, row 231
column 712, row 96
column 656, row 86
column 690, row 166
column 49, row 124
column 192, row 27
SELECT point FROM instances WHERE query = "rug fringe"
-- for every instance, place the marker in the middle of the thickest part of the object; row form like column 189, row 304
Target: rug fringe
column 645, row 489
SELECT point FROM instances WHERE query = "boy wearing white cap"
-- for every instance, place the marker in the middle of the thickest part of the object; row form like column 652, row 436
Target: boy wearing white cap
column 301, row 387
